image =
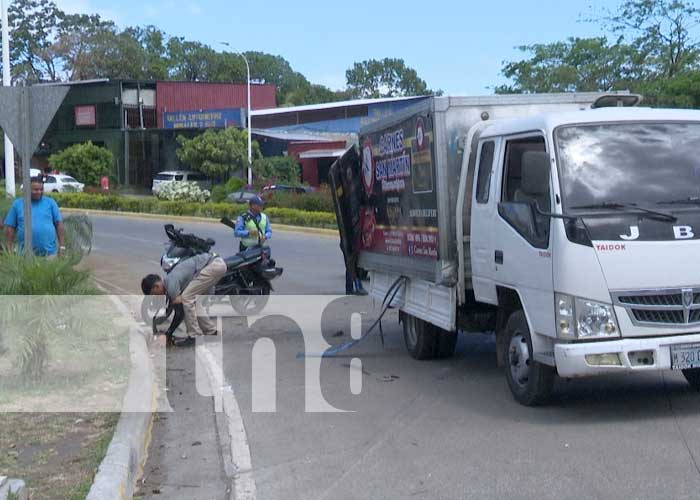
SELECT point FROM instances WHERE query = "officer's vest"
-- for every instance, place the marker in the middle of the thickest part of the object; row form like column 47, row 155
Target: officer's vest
column 252, row 227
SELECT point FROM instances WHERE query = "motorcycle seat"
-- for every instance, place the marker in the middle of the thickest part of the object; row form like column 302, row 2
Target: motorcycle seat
column 234, row 261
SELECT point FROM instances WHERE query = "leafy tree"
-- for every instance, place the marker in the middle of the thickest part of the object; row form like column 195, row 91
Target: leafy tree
column 385, row 78
column 33, row 25
column 217, row 153
column 84, row 43
column 680, row 91
column 577, row 64
column 279, row 169
column 661, row 30
column 86, row 162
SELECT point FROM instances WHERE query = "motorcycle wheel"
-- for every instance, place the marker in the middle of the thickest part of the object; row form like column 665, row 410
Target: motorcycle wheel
column 247, row 304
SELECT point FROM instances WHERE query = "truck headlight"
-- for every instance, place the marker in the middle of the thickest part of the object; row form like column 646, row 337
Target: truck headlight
column 579, row 318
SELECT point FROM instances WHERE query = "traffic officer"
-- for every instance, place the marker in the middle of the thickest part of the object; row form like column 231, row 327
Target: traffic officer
column 253, row 227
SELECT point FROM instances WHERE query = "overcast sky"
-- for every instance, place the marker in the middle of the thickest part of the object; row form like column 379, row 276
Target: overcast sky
column 456, row 46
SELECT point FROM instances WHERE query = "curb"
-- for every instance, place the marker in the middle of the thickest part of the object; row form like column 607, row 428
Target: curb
column 14, row 487
column 126, row 455
column 186, row 218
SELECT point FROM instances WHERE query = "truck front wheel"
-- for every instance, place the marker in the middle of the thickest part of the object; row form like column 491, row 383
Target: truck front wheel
column 692, row 375
column 530, row 382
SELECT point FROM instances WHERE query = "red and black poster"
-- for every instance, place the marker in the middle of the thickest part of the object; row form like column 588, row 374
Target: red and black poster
column 399, row 206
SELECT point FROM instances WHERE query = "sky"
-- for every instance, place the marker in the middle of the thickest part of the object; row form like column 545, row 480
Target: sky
column 456, row 46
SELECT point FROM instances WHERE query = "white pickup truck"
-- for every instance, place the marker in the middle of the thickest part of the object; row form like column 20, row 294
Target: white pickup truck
column 568, row 224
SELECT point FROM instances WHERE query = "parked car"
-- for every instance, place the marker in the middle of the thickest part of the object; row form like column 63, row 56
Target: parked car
column 179, row 175
column 269, row 191
column 61, row 183
column 241, row 196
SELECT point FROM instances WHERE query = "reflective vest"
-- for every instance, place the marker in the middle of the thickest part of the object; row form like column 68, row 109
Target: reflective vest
column 250, row 225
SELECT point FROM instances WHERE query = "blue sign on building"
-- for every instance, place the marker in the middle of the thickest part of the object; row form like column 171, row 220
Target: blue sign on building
column 204, row 118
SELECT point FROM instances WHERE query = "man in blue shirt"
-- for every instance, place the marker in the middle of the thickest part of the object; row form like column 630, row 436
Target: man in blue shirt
column 47, row 224
column 253, row 227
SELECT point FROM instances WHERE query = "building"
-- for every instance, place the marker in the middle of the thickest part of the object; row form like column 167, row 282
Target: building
column 139, row 121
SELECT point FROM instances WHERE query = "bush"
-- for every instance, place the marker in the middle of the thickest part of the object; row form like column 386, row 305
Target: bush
column 316, row 201
column 220, row 192
column 183, row 191
column 86, row 162
column 278, row 169
column 278, row 215
column 33, row 329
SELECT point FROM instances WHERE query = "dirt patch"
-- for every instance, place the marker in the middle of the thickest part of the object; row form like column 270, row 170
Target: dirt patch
column 57, row 454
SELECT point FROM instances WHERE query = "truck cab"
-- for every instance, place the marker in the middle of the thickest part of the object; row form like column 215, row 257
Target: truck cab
column 584, row 237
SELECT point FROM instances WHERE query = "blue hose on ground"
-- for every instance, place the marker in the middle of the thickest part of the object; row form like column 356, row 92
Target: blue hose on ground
column 386, row 305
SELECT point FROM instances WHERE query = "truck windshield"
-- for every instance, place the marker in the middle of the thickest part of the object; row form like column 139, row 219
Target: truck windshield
column 638, row 163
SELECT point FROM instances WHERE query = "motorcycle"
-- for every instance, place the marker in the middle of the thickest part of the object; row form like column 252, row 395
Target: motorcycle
column 246, row 284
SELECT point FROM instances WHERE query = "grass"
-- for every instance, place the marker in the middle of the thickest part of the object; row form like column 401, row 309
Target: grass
column 57, row 455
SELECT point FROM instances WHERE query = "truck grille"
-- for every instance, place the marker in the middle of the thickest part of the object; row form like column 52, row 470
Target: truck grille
column 670, row 307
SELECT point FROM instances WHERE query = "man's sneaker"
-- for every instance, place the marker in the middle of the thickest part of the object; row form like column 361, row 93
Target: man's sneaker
column 184, row 341
column 361, row 291
column 212, row 334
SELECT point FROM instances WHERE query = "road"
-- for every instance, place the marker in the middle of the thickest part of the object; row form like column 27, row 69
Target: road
column 427, row 430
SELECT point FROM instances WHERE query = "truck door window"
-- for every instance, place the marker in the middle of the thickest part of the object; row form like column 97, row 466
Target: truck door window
column 483, row 180
column 522, row 197
column 513, row 190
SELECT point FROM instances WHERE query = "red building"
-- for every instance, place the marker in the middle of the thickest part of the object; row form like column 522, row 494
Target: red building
column 202, row 96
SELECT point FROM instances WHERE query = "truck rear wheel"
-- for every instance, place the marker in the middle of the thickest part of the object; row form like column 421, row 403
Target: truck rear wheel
column 692, row 375
column 427, row 341
column 419, row 336
column 530, row 382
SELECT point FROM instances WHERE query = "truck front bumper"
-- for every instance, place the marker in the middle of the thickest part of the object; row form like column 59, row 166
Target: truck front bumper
column 635, row 355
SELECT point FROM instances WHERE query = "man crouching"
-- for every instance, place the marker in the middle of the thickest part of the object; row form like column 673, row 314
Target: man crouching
column 189, row 278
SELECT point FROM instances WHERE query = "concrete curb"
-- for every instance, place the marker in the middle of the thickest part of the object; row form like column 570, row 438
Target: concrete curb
column 182, row 218
column 126, row 455
column 15, row 487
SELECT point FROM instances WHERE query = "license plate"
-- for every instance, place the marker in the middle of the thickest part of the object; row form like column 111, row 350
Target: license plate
column 685, row 356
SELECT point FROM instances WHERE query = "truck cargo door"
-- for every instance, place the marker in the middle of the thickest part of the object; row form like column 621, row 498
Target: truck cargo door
column 346, row 188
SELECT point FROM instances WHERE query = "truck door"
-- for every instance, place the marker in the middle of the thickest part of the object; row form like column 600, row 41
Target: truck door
column 482, row 221
column 522, row 256
column 346, row 188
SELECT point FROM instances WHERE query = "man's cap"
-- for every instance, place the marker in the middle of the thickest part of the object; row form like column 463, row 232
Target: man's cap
column 256, row 200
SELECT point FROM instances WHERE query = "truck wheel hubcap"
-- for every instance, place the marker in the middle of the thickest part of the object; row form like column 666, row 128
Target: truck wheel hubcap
column 519, row 360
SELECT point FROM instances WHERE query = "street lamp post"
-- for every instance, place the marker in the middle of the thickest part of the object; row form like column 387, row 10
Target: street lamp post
column 250, row 131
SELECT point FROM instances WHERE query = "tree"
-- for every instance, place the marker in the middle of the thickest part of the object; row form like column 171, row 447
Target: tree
column 385, row 78
column 33, row 25
column 574, row 65
column 680, row 91
column 278, row 169
column 86, row 162
column 217, row 153
column 661, row 30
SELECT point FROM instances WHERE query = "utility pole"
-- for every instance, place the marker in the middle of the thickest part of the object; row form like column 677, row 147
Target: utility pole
column 6, row 82
column 250, row 130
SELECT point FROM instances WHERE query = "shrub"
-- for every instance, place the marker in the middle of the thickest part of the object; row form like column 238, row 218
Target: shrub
column 32, row 328
column 316, row 201
column 86, row 162
column 212, row 210
column 217, row 153
column 235, row 184
column 183, row 191
column 278, row 169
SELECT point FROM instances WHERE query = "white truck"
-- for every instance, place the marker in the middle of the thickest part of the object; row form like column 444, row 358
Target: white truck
column 569, row 224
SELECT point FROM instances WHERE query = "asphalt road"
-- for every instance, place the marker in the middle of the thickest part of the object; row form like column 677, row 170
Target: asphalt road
column 430, row 430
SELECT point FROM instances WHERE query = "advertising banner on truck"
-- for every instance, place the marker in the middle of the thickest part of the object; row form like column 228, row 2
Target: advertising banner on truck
column 399, row 212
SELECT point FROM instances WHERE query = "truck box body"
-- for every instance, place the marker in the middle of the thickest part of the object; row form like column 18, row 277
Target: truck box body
column 396, row 194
